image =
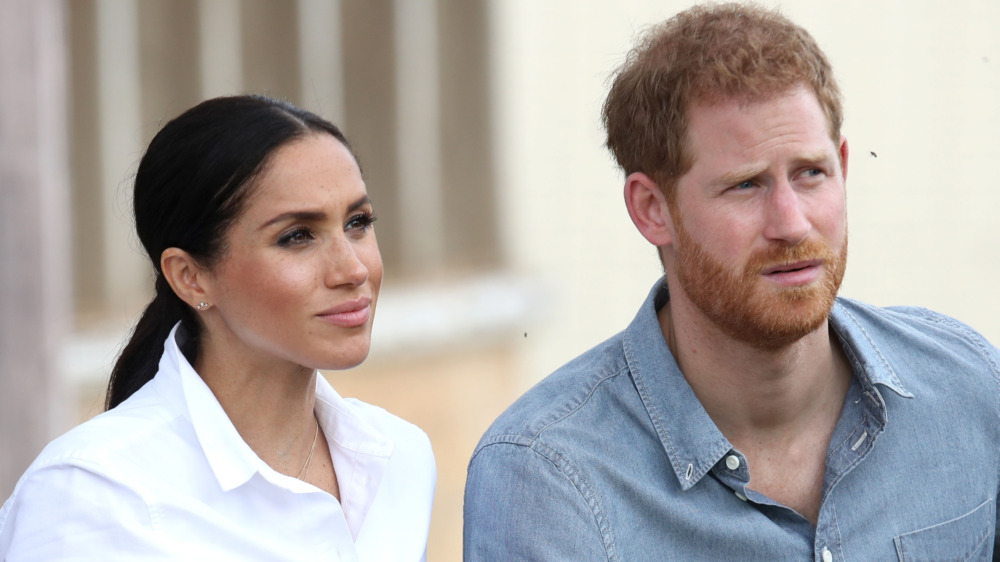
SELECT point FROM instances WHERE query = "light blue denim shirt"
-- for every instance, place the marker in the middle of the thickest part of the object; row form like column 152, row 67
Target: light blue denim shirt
column 613, row 457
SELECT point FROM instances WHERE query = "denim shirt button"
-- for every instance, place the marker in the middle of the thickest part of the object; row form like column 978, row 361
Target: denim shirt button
column 741, row 495
column 732, row 462
column 827, row 555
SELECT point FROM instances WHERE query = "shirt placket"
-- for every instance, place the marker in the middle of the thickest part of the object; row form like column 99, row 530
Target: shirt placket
column 862, row 420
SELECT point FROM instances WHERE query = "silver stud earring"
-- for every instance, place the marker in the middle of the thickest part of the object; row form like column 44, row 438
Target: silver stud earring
column 202, row 306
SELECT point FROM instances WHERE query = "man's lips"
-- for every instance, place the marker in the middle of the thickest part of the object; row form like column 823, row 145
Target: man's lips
column 794, row 274
column 348, row 314
column 792, row 267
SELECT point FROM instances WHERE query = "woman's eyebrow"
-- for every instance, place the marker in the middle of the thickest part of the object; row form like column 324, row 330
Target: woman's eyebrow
column 307, row 216
column 313, row 216
column 361, row 202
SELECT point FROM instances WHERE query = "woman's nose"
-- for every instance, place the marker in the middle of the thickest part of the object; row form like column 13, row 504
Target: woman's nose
column 345, row 266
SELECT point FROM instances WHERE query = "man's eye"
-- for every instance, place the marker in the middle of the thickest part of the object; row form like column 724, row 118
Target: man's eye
column 745, row 185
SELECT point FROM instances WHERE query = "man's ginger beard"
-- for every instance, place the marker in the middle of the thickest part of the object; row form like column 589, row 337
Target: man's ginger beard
column 747, row 308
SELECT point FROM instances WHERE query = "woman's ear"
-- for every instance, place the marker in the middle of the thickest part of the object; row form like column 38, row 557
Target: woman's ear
column 647, row 205
column 186, row 277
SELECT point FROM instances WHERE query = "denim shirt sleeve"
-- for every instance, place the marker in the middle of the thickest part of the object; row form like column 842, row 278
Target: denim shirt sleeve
column 524, row 501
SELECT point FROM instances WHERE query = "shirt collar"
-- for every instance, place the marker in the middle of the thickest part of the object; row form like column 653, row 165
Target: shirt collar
column 867, row 360
column 360, row 451
column 692, row 441
column 232, row 461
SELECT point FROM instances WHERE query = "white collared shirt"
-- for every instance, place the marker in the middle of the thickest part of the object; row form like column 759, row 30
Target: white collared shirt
column 166, row 476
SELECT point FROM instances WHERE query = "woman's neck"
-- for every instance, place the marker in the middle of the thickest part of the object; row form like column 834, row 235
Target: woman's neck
column 270, row 403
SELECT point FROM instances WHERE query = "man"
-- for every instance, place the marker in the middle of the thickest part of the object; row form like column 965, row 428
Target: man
column 747, row 412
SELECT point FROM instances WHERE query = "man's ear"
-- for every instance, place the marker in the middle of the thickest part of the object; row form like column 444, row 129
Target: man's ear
column 843, row 155
column 186, row 277
column 647, row 205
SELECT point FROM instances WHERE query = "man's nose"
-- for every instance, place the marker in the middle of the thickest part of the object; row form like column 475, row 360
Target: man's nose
column 785, row 215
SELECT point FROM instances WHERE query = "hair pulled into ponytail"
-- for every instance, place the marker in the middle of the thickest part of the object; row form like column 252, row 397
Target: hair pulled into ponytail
column 139, row 360
column 191, row 185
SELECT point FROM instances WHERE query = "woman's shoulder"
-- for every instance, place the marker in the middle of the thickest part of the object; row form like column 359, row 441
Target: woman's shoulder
column 60, row 507
column 110, row 440
column 88, row 477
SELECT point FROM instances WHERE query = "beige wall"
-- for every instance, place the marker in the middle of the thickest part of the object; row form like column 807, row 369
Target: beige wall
column 920, row 82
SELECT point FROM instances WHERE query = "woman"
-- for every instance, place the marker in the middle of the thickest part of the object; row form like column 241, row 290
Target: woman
column 221, row 441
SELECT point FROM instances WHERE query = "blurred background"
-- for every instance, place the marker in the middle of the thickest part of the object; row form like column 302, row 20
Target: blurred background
column 506, row 243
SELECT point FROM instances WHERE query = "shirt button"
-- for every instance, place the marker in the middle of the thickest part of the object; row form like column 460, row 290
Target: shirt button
column 741, row 496
column 732, row 462
column 827, row 555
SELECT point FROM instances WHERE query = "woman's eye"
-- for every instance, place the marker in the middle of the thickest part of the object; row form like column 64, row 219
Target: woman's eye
column 295, row 237
column 361, row 222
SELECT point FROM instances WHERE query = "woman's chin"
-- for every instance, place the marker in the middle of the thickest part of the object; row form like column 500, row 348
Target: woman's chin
column 343, row 361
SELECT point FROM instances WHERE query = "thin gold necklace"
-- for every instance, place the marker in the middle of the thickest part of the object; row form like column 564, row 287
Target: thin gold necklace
column 305, row 466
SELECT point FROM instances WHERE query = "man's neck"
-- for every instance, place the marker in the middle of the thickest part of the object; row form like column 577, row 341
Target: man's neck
column 755, row 394
column 779, row 408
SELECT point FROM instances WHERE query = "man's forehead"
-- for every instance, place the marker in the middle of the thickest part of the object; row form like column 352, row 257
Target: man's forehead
column 745, row 99
column 740, row 140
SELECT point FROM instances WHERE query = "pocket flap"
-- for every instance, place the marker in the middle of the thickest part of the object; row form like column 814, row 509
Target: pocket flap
column 962, row 538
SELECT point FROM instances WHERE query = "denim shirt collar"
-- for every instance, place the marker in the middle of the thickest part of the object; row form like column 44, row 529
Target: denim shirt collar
column 868, row 362
column 691, row 439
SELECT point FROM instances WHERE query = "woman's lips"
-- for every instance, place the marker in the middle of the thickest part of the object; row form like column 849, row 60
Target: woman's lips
column 350, row 314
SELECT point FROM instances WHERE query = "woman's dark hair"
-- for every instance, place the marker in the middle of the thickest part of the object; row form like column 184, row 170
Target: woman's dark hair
column 191, row 185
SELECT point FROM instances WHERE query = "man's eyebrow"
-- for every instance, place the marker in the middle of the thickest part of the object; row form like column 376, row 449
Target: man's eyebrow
column 817, row 157
column 751, row 171
column 313, row 216
column 739, row 175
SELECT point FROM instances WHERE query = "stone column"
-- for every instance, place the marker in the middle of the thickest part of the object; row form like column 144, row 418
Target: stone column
column 419, row 134
column 35, row 271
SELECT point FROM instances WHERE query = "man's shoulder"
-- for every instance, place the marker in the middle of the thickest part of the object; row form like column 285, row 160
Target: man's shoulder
column 907, row 334
column 902, row 319
column 540, row 466
column 559, row 396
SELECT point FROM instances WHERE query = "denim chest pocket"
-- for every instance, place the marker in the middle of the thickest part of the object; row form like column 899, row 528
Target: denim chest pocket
column 963, row 538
